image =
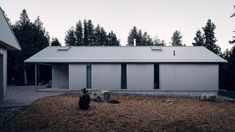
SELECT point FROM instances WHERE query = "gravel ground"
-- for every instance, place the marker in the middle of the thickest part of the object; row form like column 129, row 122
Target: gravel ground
column 7, row 114
column 134, row 113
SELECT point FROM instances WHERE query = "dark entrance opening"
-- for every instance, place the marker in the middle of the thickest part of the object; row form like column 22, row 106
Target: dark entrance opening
column 1, row 78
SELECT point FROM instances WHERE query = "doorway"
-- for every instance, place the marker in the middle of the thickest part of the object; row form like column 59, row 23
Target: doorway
column 1, row 78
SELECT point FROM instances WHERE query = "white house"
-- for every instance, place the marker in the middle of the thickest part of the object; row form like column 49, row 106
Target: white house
column 163, row 70
column 8, row 41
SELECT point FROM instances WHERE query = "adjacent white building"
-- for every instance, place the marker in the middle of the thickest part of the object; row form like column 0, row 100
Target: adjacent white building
column 8, row 41
column 163, row 70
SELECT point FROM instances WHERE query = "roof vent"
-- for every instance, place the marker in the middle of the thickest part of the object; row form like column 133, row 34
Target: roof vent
column 155, row 48
column 64, row 48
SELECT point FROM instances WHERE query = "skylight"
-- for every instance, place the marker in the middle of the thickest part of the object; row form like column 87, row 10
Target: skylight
column 63, row 48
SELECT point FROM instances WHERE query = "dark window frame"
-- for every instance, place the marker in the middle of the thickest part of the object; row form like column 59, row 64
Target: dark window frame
column 123, row 76
column 156, row 82
column 89, row 76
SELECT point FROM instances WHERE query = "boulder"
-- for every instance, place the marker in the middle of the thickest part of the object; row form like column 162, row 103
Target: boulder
column 207, row 97
column 106, row 95
column 100, row 96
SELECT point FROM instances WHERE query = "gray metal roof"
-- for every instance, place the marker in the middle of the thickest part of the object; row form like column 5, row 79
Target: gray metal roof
column 7, row 37
column 138, row 54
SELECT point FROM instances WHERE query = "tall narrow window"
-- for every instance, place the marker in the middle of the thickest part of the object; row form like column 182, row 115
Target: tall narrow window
column 88, row 76
column 123, row 77
column 156, row 76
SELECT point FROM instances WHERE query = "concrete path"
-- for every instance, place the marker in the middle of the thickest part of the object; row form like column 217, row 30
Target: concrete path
column 24, row 95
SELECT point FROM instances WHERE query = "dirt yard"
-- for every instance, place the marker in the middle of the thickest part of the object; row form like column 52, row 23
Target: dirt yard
column 134, row 113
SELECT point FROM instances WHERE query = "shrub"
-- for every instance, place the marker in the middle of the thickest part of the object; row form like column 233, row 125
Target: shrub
column 113, row 101
column 84, row 101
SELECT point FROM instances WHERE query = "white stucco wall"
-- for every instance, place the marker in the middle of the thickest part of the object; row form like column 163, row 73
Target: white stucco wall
column 189, row 77
column 140, row 76
column 106, row 76
column 77, row 76
column 4, row 53
column 60, row 76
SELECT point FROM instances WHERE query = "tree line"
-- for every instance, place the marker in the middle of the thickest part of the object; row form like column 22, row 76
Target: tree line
column 87, row 34
column 33, row 37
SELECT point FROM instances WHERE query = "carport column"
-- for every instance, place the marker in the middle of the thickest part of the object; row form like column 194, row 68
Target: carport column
column 35, row 74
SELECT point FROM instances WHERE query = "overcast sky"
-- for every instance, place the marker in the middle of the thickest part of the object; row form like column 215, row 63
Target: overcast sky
column 158, row 17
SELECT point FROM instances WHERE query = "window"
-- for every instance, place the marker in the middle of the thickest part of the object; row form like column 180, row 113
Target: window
column 123, row 77
column 156, row 76
column 88, row 75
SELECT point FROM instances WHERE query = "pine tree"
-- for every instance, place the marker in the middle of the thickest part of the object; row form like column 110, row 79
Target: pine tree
column 103, row 37
column 142, row 39
column 55, row 42
column 24, row 19
column 209, row 36
column 97, row 35
column 199, row 40
column 233, row 41
column 32, row 38
column 90, row 33
column 176, row 39
column 79, row 34
column 228, row 71
column 133, row 35
column 158, row 42
column 85, row 33
column 70, row 39
column 112, row 39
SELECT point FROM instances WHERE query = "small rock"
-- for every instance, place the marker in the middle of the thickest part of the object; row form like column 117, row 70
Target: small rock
column 98, row 98
column 169, row 101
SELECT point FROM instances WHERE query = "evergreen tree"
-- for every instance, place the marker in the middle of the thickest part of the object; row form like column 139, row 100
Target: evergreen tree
column 70, row 39
column 97, row 34
column 24, row 19
column 142, row 39
column 209, row 36
column 199, row 40
column 158, row 42
column 233, row 41
column 79, row 33
column 176, row 39
column 133, row 35
column 228, row 70
column 112, row 39
column 55, row 42
column 90, row 33
column 103, row 37
column 85, row 33
column 32, row 37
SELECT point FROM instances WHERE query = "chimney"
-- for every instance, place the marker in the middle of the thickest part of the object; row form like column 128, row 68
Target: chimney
column 134, row 42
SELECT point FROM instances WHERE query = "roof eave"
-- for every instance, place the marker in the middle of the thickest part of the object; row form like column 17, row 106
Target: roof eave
column 10, row 47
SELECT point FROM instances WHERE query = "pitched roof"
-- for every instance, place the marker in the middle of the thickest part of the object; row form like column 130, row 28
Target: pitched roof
column 120, row 54
column 7, row 37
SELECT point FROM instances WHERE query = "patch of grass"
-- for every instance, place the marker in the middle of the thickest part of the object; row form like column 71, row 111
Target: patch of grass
column 230, row 94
